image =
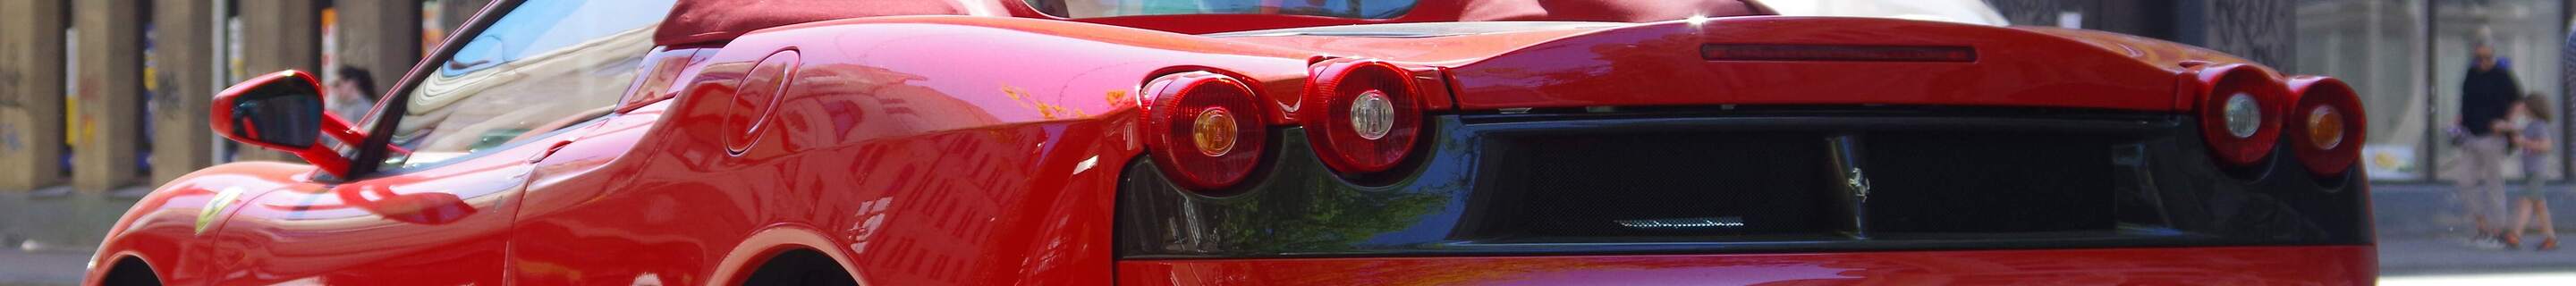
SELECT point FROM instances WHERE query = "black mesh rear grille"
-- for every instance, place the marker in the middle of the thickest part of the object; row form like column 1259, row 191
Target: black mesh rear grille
column 1675, row 185
column 1745, row 185
column 1978, row 183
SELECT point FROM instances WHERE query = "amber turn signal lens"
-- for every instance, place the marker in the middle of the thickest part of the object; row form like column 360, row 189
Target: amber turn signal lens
column 2325, row 128
column 1213, row 131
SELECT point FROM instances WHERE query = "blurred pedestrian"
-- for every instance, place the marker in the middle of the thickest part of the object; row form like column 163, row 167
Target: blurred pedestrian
column 2531, row 134
column 353, row 93
column 2487, row 94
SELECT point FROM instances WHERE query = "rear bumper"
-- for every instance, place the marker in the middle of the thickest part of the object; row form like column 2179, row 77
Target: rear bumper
column 2304, row 265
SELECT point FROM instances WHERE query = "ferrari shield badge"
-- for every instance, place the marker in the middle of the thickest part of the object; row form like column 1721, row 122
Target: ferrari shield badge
column 223, row 199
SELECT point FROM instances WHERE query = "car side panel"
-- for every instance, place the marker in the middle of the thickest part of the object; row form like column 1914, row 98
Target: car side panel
column 170, row 229
column 924, row 150
column 434, row 226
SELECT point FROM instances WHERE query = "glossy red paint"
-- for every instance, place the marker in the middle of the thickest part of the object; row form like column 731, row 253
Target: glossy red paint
column 163, row 228
column 437, row 226
column 339, row 128
column 915, row 170
column 666, row 67
column 2297, row 265
column 987, row 150
column 706, row 21
column 1660, row 64
column 2167, row 55
column 1438, row 11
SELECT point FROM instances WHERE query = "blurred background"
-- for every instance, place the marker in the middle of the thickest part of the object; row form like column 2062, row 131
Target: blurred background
column 102, row 99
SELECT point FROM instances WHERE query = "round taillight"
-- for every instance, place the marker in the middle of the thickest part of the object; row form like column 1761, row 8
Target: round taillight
column 1361, row 116
column 2244, row 115
column 1203, row 129
column 2240, row 112
column 2329, row 125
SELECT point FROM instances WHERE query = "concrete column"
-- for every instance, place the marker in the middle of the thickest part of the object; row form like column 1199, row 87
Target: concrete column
column 183, row 49
column 2030, row 12
column 2258, row 30
column 31, row 93
column 110, row 129
column 279, row 35
column 380, row 36
column 452, row 13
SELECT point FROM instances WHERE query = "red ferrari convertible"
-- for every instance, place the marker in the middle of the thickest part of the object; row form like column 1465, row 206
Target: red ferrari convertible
column 1272, row 142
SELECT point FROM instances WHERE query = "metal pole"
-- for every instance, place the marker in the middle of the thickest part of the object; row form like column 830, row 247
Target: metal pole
column 221, row 70
column 2432, row 106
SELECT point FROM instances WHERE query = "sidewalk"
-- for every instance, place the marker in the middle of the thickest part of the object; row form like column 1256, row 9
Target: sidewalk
column 2455, row 255
column 2431, row 210
column 46, row 235
column 41, row 268
column 2421, row 231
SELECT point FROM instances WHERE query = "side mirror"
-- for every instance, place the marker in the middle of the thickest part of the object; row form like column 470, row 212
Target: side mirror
column 283, row 111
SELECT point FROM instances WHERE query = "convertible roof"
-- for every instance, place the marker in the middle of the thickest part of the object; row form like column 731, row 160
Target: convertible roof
column 698, row 21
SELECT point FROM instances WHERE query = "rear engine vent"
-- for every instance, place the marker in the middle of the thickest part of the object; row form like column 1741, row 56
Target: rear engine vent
column 1665, row 185
column 1926, row 182
column 1778, row 186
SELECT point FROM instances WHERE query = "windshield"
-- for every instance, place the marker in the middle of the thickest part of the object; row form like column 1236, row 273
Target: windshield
column 1363, row 9
column 546, row 64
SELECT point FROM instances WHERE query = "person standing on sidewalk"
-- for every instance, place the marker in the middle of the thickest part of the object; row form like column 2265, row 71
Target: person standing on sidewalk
column 2531, row 134
column 353, row 94
column 2487, row 94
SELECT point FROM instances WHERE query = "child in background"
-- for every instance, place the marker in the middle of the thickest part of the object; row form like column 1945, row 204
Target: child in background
column 2531, row 134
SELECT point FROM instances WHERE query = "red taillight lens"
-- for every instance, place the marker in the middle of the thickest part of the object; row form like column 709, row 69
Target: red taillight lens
column 2325, row 124
column 2240, row 112
column 1361, row 116
column 1205, row 129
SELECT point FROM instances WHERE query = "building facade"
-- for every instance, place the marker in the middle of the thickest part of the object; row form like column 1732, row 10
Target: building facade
column 101, row 95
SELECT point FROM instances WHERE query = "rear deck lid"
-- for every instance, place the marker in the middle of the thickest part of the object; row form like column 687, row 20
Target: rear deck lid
column 1814, row 61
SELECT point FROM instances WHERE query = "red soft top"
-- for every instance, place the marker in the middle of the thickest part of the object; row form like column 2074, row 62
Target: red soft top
column 698, row 21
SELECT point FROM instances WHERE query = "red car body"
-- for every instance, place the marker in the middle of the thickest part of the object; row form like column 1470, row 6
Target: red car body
column 1009, row 146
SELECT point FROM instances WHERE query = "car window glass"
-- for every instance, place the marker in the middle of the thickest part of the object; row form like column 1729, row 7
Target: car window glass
column 544, row 65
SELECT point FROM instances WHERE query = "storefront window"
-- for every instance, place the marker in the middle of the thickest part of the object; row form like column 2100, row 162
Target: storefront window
column 2414, row 101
